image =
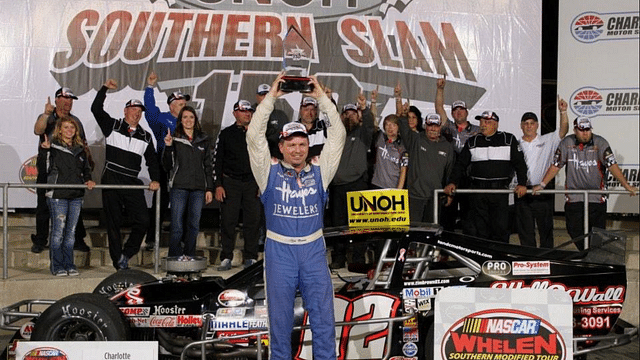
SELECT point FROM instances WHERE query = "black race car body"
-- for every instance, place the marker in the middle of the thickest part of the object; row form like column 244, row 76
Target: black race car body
column 387, row 314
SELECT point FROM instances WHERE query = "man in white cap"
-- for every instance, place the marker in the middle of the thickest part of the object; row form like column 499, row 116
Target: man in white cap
column 587, row 157
column 431, row 158
column 45, row 124
column 127, row 143
column 294, row 193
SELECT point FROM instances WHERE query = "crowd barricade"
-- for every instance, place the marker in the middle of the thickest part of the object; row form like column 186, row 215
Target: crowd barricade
column 585, row 193
column 5, row 211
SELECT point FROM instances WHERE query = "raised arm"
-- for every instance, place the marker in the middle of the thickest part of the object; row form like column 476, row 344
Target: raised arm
column 440, row 98
column 564, row 118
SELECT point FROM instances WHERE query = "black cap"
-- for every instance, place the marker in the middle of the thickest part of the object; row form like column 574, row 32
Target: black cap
column 529, row 115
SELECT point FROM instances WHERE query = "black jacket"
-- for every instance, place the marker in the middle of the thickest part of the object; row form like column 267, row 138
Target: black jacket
column 189, row 163
column 66, row 165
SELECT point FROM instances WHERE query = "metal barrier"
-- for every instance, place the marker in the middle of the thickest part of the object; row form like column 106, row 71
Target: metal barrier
column 529, row 191
column 5, row 211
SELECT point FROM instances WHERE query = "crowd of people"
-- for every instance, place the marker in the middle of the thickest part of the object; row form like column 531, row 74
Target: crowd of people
column 406, row 150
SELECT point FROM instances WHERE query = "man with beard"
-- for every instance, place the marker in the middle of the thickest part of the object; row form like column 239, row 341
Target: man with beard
column 316, row 127
column 44, row 126
column 587, row 157
column 431, row 159
column 491, row 157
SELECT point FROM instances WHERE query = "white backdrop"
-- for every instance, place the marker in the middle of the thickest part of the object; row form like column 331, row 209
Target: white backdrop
column 489, row 51
column 598, row 71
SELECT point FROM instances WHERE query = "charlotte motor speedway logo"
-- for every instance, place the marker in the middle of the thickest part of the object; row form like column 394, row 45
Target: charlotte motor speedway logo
column 591, row 101
column 590, row 27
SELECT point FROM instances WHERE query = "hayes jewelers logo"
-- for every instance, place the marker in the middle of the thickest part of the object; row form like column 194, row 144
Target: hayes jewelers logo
column 503, row 334
column 590, row 27
column 591, row 101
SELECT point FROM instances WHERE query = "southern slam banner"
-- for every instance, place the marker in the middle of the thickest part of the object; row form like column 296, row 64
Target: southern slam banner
column 219, row 51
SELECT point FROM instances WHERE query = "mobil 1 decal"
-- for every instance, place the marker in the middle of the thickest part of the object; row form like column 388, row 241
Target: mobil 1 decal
column 503, row 334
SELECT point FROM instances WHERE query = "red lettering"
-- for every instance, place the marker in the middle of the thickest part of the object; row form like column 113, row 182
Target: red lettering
column 463, row 342
column 451, row 51
column 412, row 55
column 267, row 32
column 174, row 42
column 136, row 51
column 382, row 45
column 77, row 37
column 117, row 22
column 205, row 37
column 358, row 50
column 525, row 345
column 549, row 346
column 234, row 36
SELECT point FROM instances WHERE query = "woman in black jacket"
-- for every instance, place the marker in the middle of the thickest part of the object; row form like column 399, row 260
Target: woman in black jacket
column 67, row 163
column 188, row 161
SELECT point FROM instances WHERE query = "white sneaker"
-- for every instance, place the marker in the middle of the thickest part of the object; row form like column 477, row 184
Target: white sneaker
column 225, row 265
column 73, row 272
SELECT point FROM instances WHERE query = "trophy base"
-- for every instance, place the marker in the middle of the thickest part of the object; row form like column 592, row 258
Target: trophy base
column 296, row 83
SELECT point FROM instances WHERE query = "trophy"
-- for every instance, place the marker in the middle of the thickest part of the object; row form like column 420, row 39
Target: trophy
column 296, row 60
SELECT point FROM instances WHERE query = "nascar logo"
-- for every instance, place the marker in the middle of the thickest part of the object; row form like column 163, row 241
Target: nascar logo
column 590, row 27
column 501, row 326
column 591, row 101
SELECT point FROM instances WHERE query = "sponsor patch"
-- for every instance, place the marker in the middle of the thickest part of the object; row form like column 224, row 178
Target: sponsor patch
column 231, row 312
column 410, row 349
column 531, row 268
column 496, row 267
column 410, row 305
column 409, row 334
column 232, row 298
column 135, row 311
column 424, row 304
column 26, row 330
column 45, row 353
column 419, row 293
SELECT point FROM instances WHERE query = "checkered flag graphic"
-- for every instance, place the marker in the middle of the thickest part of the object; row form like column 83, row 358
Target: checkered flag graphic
column 399, row 5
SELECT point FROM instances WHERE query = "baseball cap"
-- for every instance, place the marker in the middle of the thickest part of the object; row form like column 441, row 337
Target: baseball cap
column 243, row 105
column 349, row 107
column 292, row 128
column 457, row 104
column 135, row 103
column 488, row 115
column 263, row 89
column 529, row 115
column 308, row 101
column 178, row 95
column 432, row 119
column 582, row 123
column 65, row 92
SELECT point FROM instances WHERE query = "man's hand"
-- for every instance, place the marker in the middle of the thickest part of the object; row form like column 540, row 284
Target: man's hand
column 168, row 140
column 208, row 197
column 450, row 189
column 535, row 189
column 361, row 101
column 562, row 104
column 90, row 184
column 520, row 190
column 633, row 191
column 111, row 84
column 275, row 86
column 220, row 194
column 152, row 79
column 442, row 82
column 154, row 185
column 48, row 107
column 318, row 90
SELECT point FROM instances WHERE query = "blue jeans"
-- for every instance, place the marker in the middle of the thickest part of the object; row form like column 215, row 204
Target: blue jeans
column 191, row 202
column 64, row 217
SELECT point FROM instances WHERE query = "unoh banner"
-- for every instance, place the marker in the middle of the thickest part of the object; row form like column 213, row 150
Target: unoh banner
column 598, row 70
column 219, row 51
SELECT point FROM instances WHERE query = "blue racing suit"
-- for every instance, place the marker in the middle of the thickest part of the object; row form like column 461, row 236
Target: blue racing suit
column 295, row 253
column 158, row 121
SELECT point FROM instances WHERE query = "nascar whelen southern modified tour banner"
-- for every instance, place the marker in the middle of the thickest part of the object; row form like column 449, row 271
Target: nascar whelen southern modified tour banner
column 219, row 51
column 598, row 71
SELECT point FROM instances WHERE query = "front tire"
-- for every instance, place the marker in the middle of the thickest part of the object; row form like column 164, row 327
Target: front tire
column 81, row 317
column 122, row 280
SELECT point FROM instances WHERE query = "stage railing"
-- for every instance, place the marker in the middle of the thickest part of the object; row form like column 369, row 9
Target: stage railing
column 5, row 212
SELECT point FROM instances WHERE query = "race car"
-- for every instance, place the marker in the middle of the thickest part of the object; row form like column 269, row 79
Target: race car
column 385, row 314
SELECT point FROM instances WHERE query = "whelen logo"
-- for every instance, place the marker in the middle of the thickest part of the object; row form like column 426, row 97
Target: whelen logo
column 590, row 101
column 590, row 27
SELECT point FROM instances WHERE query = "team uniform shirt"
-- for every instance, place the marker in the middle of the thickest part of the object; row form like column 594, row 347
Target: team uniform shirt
column 538, row 154
column 317, row 136
column 353, row 162
column 491, row 161
column 189, row 163
column 158, row 121
column 125, row 147
column 230, row 156
column 430, row 162
column 458, row 136
column 391, row 156
column 587, row 165
column 66, row 165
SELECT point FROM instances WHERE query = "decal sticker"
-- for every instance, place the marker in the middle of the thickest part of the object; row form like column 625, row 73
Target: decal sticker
column 424, row 304
column 231, row 312
column 496, row 267
column 163, row 321
column 410, row 306
column 496, row 333
column 411, row 322
column 531, row 268
column 427, row 282
column 232, row 298
column 189, row 320
column 172, row 310
column 410, row 349
column 135, row 311
column 420, row 293
column 240, row 324
column 45, row 353
column 579, row 295
column 26, row 330
column 409, row 334
column 463, row 249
